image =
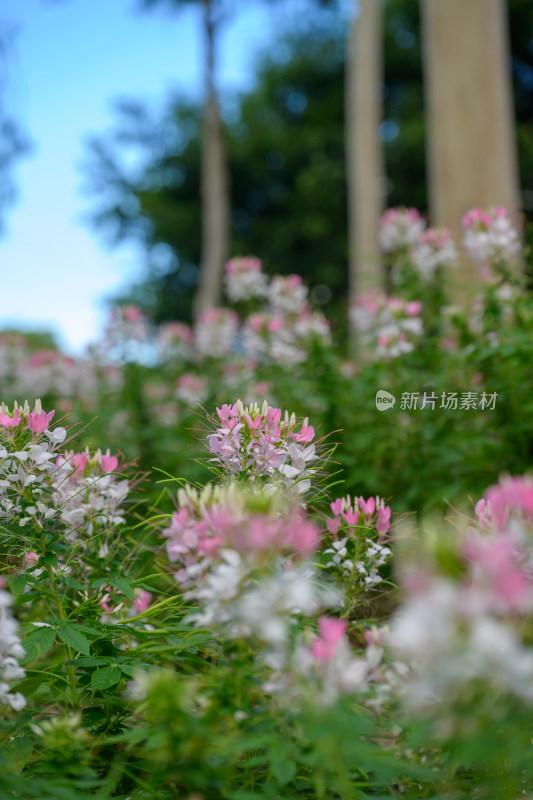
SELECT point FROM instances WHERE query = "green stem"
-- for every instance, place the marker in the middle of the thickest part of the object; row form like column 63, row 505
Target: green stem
column 68, row 651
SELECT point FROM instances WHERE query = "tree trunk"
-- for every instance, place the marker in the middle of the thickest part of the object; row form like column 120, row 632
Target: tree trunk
column 214, row 186
column 472, row 158
column 364, row 151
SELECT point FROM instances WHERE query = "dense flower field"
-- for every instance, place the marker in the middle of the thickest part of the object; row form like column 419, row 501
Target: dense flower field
column 213, row 582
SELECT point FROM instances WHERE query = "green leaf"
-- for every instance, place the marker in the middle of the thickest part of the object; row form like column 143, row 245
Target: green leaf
column 105, row 677
column 283, row 769
column 123, row 586
column 132, row 668
column 38, row 643
column 188, row 642
column 75, row 639
column 90, row 661
column 17, row 584
column 74, row 584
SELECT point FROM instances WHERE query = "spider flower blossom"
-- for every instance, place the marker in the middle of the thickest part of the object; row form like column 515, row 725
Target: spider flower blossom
column 70, row 493
column 126, row 323
column 390, row 326
column 478, row 636
column 288, row 294
column 88, row 495
column 242, row 556
column 325, row 669
column 174, row 340
column 434, row 250
column 291, row 337
column 469, row 643
column 512, row 496
column 192, row 389
column 272, row 337
column 27, row 468
column 259, row 444
column 244, row 279
column 356, row 552
column 215, row 332
column 10, row 651
column 400, row 228
column 209, row 524
column 489, row 237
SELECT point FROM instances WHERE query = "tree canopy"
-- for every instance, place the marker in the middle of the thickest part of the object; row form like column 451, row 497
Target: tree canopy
column 285, row 140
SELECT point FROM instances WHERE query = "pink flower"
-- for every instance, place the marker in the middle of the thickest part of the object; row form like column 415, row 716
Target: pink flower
column 275, row 324
column 142, row 601
column 304, row 535
column 108, row 463
column 79, row 462
column 511, row 494
column 413, row 308
column 132, row 313
column 336, row 506
column 368, row 506
column 499, row 561
column 243, row 264
column 10, row 422
column 350, row 516
column 38, row 420
column 307, row 434
column 31, row 559
column 383, row 521
column 331, row 632
column 333, row 525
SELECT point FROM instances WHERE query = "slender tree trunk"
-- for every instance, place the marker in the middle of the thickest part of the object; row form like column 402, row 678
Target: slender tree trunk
column 214, row 186
column 472, row 158
column 364, row 151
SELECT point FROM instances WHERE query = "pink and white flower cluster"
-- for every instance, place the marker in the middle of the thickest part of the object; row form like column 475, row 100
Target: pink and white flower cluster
column 390, row 327
column 40, row 487
column 243, row 557
column 320, row 670
column 354, row 549
column 192, row 389
column 11, row 651
column 47, row 371
column 215, row 333
column 174, row 341
column 243, row 551
column 272, row 337
column 288, row 294
column 400, row 229
column 219, row 518
column 89, row 497
column 27, row 468
column 259, row 444
column 452, row 632
column 490, row 238
column 244, row 279
column 434, row 250
column 127, row 322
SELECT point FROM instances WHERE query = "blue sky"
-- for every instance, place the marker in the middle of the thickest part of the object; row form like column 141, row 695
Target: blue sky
column 70, row 59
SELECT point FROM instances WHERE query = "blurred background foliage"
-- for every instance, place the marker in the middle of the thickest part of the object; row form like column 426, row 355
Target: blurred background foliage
column 285, row 140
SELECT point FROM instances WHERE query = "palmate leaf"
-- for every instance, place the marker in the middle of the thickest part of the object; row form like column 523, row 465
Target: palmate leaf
column 17, row 584
column 123, row 586
column 105, row 677
column 73, row 637
column 38, row 642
